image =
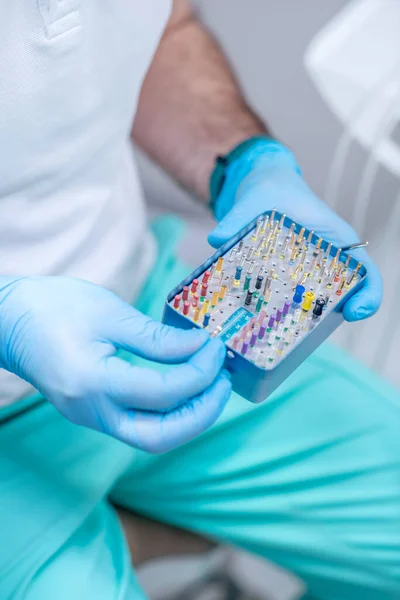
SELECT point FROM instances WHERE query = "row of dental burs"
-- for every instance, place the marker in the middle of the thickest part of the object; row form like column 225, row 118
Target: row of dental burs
column 250, row 275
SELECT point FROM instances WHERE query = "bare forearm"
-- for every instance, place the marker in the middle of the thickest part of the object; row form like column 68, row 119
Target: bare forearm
column 191, row 108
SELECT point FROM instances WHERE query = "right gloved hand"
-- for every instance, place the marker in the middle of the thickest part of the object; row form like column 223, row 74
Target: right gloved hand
column 62, row 334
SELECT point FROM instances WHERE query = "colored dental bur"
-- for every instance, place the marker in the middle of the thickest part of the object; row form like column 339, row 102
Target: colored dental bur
column 177, row 302
column 195, row 284
column 220, row 264
column 298, row 296
column 214, row 299
column 204, row 289
column 238, row 275
column 249, row 298
column 318, row 308
column 206, row 319
column 222, row 293
column 308, row 301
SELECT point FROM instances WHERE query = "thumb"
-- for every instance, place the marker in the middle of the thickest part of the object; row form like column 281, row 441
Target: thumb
column 240, row 215
column 136, row 333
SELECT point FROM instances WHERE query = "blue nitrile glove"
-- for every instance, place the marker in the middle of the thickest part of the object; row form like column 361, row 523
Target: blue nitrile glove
column 266, row 176
column 61, row 335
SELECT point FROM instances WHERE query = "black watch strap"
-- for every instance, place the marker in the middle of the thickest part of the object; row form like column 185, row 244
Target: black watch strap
column 218, row 175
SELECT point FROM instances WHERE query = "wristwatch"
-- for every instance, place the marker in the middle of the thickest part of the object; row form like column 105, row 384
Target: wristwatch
column 218, row 175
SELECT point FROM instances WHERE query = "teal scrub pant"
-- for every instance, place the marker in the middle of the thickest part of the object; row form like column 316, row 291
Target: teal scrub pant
column 310, row 480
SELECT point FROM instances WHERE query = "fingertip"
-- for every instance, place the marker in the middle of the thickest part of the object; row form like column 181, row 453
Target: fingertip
column 359, row 314
column 226, row 229
column 367, row 301
column 217, row 347
column 194, row 339
column 202, row 335
column 361, row 306
column 351, row 314
column 210, row 359
column 215, row 239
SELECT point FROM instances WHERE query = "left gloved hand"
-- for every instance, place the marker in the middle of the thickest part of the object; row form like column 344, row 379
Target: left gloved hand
column 266, row 176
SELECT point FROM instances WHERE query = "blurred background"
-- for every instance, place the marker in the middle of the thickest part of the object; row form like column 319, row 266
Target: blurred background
column 326, row 78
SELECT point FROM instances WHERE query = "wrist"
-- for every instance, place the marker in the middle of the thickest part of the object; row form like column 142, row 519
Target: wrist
column 230, row 170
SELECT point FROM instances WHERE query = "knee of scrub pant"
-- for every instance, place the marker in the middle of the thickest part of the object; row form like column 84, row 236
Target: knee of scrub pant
column 94, row 564
column 309, row 479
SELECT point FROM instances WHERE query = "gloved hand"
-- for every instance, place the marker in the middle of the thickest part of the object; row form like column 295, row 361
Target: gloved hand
column 61, row 335
column 266, row 176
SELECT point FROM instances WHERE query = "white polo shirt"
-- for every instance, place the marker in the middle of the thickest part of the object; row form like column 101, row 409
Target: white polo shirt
column 70, row 198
